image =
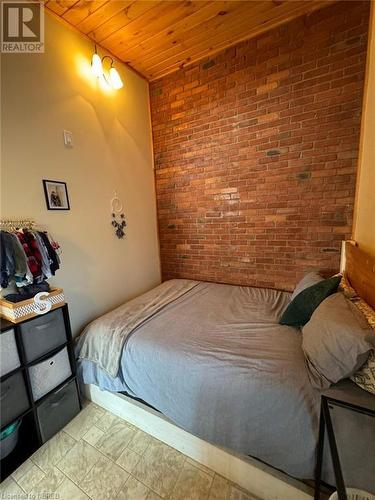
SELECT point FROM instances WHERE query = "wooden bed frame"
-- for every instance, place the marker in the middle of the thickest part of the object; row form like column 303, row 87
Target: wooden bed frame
column 252, row 475
column 359, row 268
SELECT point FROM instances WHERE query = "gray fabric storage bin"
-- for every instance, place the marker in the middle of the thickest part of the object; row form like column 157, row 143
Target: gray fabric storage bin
column 13, row 398
column 8, row 443
column 48, row 374
column 9, row 359
column 57, row 410
column 43, row 334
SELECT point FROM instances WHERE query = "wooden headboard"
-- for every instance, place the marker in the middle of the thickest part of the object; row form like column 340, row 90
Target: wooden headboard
column 359, row 268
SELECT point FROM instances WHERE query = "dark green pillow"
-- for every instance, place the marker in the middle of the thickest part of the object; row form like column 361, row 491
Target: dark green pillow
column 299, row 311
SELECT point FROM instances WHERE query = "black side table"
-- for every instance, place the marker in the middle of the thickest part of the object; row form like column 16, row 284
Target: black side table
column 347, row 395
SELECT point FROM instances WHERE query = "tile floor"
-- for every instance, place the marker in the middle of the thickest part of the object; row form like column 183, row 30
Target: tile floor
column 100, row 456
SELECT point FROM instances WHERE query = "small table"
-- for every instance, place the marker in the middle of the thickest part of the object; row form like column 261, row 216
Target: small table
column 347, row 395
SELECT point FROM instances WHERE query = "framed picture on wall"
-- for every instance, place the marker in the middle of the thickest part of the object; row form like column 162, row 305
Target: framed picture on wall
column 56, row 194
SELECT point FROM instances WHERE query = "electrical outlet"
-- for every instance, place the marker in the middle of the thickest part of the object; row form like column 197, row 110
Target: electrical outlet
column 68, row 139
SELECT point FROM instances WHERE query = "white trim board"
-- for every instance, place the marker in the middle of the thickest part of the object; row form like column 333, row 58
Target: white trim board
column 255, row 477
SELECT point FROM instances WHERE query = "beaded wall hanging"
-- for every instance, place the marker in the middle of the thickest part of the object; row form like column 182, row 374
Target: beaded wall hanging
column 118, row 217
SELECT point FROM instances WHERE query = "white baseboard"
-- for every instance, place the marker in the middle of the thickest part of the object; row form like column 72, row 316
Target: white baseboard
column 255, row 477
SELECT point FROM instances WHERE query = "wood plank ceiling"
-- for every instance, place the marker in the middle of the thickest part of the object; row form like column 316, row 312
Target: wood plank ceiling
column 159, row 37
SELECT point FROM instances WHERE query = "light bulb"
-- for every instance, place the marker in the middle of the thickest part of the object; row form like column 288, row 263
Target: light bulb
column 96, row 65
column 115, row 79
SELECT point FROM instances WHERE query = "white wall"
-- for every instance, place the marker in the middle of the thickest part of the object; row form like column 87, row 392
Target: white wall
column 43, row 94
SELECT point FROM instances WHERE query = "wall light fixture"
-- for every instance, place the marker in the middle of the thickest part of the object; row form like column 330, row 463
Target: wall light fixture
column 111, row 76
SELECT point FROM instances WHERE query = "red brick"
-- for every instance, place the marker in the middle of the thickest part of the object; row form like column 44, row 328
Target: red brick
column 255, row 157
column 266, row 87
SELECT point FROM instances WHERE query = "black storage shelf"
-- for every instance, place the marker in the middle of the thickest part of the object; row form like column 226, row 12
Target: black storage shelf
column 30, row 437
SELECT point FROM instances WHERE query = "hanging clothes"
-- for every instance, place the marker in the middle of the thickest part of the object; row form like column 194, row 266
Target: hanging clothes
column 22, row 273
column 13, row 261
column 27, row 258
column 7, row 263
column 46, row 261
column 19, row 257
column 31, row 249
column 54, row 258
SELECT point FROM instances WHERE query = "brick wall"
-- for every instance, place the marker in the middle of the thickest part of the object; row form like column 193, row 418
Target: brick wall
column 256, row 152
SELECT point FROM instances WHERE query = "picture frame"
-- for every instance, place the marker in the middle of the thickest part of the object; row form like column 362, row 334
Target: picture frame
column 56, row 194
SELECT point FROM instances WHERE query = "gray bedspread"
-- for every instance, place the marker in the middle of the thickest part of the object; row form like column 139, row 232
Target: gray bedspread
column 102, row 340
column 218, row 364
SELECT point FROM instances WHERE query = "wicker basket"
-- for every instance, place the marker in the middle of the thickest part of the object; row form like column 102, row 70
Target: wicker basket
column 354, row 494
column 26, row 309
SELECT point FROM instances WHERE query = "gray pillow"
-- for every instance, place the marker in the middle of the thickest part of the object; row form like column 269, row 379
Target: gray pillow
column 308, row 280
column 336, row 341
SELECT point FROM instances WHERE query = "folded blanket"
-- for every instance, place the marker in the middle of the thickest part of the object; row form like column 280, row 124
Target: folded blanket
column 103, row 340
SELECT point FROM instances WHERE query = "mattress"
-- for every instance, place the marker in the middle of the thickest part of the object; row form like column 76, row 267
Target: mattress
column 217, row 363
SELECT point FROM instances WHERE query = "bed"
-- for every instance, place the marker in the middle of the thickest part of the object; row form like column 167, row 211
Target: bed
column 214, row 359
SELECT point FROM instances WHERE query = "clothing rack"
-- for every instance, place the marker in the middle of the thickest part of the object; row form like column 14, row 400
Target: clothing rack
column 14, row 224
